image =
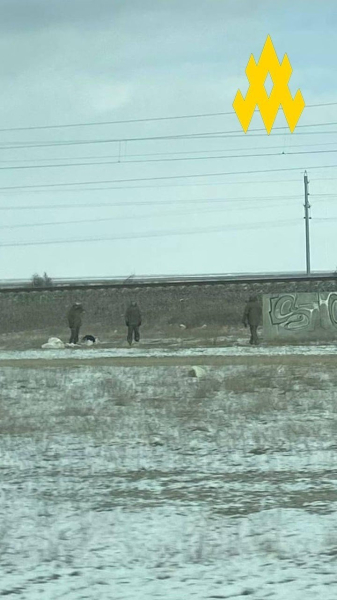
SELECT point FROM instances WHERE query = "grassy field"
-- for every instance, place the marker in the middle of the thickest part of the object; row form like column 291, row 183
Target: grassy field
column 142, row 482
column 166, row 336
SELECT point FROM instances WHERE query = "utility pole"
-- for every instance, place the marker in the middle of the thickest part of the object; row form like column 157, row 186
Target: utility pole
column 306, row 218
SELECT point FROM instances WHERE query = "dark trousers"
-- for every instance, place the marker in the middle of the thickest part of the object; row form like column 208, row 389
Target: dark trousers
column 253, row 335
column 133, row 331
column 74, row 334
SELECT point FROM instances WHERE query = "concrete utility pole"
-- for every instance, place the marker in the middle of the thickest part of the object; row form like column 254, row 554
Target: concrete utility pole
column 306, row 218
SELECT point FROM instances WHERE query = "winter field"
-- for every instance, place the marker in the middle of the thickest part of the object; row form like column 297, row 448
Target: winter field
column 122, row 477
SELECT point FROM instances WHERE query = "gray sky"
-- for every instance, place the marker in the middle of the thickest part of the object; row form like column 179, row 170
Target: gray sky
column 170, row 204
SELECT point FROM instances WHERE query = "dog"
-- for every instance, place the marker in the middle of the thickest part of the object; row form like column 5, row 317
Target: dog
column 89, row 338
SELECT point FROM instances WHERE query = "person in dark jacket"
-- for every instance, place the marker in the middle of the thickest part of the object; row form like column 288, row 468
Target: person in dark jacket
column 133, row 321
column 75, row 321
column 252, row 317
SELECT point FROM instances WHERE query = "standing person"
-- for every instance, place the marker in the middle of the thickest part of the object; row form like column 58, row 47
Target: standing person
column 252, row 317
column 74, row 316
column 133, row 321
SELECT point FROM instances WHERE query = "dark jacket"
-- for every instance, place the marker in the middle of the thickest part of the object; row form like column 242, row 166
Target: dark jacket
column 252, row 313
column 133, row 317
column 74, row 316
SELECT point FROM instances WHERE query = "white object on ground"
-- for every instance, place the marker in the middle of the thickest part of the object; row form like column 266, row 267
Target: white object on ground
column 182, row 326
column 53, row 343
column 197, row 372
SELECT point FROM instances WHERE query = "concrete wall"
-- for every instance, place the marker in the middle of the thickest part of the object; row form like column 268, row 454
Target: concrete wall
column 192, row 305
column 300, row 316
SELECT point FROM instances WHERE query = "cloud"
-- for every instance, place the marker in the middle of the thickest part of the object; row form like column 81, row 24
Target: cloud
column 67, row 61
column 33, row 15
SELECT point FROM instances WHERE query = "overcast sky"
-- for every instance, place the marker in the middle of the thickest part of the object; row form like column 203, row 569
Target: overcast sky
column 165, row 205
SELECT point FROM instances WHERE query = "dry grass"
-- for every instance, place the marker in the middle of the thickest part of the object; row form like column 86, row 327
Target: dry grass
column 230, row 407
column 164, row 336
column 89, row 447
column 207, row 387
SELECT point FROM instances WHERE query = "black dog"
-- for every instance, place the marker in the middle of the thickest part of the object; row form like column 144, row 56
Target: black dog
column 89, row 338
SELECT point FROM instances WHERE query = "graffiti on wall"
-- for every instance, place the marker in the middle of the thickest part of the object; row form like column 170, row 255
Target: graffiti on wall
column 300, row 313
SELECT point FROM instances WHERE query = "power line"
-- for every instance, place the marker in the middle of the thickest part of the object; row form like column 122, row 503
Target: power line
column 156, row 203
column 175, row 185
column 192, row 136
column 184, row 136
column 154, row 187
column 34, row 192
column 319, row 196
column 142, row 187
column 325, row 219
column 119, row 122
column 324, row 104
column 272, row 201
column 193, row 201
column 134, row 217
column 97, row 157
column 165, row 177
column 269, row 224
column 143, row 120
column 125, row 162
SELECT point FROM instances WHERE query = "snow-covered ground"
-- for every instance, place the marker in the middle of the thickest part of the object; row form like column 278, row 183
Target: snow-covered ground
column 84, row 352
column 138, row 483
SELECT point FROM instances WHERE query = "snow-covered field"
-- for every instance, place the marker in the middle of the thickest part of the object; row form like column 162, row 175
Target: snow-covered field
column 138, row 483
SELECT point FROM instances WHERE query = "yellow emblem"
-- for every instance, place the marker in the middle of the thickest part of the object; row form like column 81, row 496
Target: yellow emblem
column 280, row 74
